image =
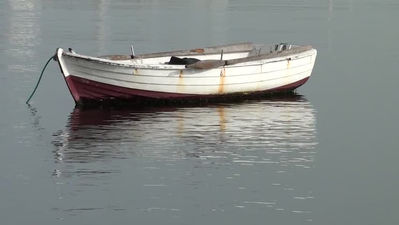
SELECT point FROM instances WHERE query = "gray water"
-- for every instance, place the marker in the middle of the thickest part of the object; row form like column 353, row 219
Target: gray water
column 328, row 155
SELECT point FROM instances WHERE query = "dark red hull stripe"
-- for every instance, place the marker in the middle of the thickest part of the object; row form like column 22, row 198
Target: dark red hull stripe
column 84, row 89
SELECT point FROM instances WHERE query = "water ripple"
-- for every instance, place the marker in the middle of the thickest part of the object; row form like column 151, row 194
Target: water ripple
column 284, row 131
column 224, row 145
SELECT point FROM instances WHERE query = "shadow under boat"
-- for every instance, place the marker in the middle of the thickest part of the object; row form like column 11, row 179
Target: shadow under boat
column 284, row 123
column 195, row 101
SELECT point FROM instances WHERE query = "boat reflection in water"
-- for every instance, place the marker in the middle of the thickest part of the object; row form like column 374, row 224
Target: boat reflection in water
column 255, row 155
column 217, row 131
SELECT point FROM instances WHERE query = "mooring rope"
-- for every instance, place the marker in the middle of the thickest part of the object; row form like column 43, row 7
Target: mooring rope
column 40, row 78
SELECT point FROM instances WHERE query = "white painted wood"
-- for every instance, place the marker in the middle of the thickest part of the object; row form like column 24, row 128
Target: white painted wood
column 153, row 74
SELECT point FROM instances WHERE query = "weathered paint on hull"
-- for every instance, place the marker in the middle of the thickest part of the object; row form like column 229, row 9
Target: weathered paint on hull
column 84, row 90
column 92, row 79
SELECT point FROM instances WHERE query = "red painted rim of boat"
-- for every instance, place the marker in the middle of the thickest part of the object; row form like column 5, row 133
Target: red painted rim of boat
column 84, row 89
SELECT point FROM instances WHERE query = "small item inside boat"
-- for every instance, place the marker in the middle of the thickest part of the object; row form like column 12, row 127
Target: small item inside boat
column 182, row 61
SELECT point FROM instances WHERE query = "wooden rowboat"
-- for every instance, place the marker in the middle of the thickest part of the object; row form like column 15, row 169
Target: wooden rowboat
column 202, row 73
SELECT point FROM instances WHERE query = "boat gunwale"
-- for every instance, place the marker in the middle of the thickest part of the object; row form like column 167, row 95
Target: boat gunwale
column 261, row 59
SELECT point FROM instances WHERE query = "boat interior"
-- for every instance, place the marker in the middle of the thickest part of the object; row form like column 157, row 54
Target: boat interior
column 240, row 51
column 204, row 58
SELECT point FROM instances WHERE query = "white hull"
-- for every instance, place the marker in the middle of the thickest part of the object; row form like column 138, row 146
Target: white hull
column 152, row 77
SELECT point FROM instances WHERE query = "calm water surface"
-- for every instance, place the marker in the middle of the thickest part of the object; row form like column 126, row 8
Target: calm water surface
column 325, row 156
